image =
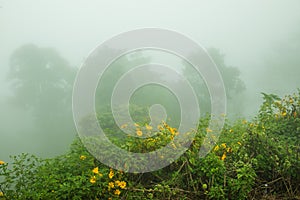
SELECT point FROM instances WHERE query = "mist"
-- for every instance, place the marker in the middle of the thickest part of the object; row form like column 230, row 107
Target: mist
column 259, row 38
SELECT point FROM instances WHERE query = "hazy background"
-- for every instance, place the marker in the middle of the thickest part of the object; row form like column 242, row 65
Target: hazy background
column 260, row 38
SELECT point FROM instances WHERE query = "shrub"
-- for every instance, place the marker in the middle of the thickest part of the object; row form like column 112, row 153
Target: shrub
column 250, row 160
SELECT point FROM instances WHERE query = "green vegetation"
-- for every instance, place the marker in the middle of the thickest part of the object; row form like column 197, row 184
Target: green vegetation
column 252, row 159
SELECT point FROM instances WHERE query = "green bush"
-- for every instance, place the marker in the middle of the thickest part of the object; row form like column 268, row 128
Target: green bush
column 249, row 160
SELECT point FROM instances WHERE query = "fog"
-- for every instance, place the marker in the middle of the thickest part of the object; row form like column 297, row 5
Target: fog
column 260, row 38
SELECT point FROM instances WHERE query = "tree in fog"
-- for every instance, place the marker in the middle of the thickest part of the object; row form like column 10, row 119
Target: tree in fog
column 234, row 85
column 41, row 83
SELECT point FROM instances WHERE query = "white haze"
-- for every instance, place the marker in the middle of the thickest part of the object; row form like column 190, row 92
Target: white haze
column 247, row 32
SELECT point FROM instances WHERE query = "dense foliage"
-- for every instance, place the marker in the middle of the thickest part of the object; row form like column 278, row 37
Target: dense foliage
column 251, row 159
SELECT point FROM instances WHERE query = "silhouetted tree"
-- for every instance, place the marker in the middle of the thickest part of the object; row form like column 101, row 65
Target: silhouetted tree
column 41, row 82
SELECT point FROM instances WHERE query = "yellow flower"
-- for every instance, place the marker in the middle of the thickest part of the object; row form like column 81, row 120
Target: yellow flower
column 111, row 185
column 172, row 130
column 136, row 125
column 2, row 162
column 117, row 183
column 117, row 192
column 208, row 130
column 111, row 174
column 291, row 101
column 122, row 184
column 159, row 127
column 82, row 157
column 96, row 170
column 139, row 133
column 173, row 145
column 216, row 148
column 224, row 156
column 1, row 194
column 239, row 143
column 93, row 180
column 124, row 126
column 230, row 130
column 165, row 124
column 283, row 114
column 244, row 121
column 148, row 127
column 278, row 103
column 223, row 145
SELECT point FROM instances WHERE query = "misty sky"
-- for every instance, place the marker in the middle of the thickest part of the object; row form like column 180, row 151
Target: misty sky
column 245, row 31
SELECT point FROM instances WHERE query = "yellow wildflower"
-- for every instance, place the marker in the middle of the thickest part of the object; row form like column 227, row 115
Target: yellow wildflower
column 111, row 185
column 122, row 184
column 93, row 180
column 159, row 127
column 283, row 114
column 148, row 127
column 82, row 157
column 208, row 130
column 216, row 148
column 117, row 183
column 223, row 145
column 291, row 101
column 230, row 130
column 124, row 126
column 117, row 192
column 239, row 143
column 223, row 156
column 139, row 133
column 278, row 103
column 96, row 170
column 2, row 162
column 171, row 130
column 165, row 124
column 174, row 146
column 111, row 174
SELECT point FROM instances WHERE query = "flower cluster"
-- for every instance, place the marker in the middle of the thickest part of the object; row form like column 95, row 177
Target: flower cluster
column 109, row 181
column 96, row 175
column 223, row 149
